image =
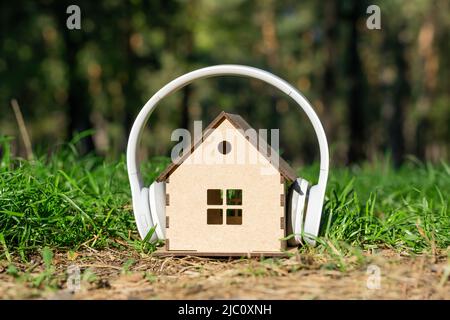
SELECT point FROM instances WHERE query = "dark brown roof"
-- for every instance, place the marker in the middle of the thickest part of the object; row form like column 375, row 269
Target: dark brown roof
column 239, row 123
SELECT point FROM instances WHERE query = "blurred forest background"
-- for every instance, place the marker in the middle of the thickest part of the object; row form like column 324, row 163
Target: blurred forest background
column 378, row 92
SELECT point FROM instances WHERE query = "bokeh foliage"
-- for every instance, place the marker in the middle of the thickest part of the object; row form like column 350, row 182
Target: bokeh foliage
column 377, row 91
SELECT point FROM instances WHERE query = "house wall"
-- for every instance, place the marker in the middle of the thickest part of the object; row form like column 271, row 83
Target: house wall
column 262, row 208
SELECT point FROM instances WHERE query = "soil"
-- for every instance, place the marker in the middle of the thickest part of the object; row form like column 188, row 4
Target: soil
column 113, row 274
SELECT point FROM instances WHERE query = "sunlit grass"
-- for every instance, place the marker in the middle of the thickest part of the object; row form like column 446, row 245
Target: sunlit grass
column 68, row 202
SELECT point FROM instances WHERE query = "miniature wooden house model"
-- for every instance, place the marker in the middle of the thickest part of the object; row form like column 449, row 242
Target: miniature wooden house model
column 216, row 205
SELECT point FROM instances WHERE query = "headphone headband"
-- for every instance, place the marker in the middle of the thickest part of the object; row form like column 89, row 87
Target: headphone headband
column 222, row 70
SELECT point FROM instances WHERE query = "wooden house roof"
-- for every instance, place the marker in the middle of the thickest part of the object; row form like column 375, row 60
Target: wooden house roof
column 239, row 123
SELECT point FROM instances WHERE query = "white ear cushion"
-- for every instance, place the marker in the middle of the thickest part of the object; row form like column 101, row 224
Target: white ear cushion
column 296, row 210
column 313, row 215
column 157, row 199
column 291, row 216
column 141, row 210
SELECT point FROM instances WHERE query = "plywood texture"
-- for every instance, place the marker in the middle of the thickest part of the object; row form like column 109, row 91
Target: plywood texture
column 261, row 188
column 161, row 252
column 286, row 171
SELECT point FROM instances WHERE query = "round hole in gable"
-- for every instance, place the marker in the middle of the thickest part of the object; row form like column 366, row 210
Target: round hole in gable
column 224, row 147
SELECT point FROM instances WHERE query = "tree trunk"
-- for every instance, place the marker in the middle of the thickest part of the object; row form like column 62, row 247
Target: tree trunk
column 430, row 66
column 356, row 98
column 329, row 77
column 401, row 94
column 185, row 107
column 78, row 104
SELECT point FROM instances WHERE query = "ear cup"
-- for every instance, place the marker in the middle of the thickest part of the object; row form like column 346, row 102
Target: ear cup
column 157, row 199
column 296, row 205
column 141, row 209
column 313, row 214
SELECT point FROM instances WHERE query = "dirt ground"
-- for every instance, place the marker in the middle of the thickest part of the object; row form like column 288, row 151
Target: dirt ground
column 111, row 274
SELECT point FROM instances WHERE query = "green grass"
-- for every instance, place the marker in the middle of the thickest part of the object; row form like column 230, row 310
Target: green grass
column 67, row 202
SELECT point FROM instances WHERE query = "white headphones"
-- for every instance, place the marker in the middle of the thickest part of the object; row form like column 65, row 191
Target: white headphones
column 149, row 203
